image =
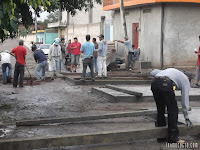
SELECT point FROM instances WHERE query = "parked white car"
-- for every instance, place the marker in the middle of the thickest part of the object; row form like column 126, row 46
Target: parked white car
column 45, row 48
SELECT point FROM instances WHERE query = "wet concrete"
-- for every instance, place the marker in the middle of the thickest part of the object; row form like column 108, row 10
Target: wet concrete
column 60, row 98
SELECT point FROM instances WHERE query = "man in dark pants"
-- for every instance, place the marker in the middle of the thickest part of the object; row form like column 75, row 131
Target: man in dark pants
column 41, row 61
column 19, row 52
column 87, row 49
column 163, row 86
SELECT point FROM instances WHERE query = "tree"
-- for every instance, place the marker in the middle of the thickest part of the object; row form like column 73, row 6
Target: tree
column 53, row 16
column 14, row 12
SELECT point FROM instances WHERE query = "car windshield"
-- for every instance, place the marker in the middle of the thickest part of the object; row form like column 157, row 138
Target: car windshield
column 44, row 46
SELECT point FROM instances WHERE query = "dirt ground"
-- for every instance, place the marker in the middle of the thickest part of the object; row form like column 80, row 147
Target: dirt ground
column 60, row 98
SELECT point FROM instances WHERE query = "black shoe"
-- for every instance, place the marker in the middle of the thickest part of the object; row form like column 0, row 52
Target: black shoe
column 14, row 86
column 161, row 139
column 74, row 70
column 93, row 79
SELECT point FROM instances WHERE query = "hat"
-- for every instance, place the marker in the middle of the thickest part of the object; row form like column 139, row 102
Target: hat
column 62, row 39
column 188, row 75
column 101, row 36
column 126, row 37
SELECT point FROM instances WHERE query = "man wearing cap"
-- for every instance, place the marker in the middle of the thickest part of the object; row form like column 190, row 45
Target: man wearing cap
column 5, row 59
column 63, row 50
column 20, row 53
column 41, row 61
column 55, row 55
column 129, row 51
column 102, row 52
column 75, row 54
column 163, row 86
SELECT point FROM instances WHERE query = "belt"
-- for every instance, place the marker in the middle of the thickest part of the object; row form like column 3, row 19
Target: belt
column 167, row 78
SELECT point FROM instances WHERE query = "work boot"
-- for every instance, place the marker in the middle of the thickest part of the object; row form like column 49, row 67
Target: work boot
column 9, row 80
column 173, row 136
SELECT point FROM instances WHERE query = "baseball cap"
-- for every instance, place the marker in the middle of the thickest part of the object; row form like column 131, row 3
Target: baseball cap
column 101, row 36
column 126, row 37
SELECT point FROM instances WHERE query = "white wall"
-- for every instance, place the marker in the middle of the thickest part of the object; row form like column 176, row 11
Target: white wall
column 181, row 36
column 29, row 38
column 82, row 17
column 80, row 31
column 149, row 36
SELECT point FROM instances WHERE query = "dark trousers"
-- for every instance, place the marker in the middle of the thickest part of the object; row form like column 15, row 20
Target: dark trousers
column 165, row 97
column 88, row 62
column 130, row 59
column 18, row 73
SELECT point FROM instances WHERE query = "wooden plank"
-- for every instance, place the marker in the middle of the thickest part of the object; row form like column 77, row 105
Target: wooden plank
column 85, row 118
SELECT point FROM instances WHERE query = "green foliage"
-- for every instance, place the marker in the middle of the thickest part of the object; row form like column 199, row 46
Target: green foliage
column 14, row 12
column 73, row 5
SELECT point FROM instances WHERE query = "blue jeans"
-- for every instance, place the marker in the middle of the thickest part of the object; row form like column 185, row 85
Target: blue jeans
column 63, row 64
column 95, row 65
column 4, row 67
column 56, row 64
column 38, row 68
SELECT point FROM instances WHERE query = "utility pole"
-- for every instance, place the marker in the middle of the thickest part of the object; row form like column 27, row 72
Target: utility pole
column 123, row 20
column 36, row 26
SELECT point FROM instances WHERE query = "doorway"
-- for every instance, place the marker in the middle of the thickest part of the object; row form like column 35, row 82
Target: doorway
column 135, row 34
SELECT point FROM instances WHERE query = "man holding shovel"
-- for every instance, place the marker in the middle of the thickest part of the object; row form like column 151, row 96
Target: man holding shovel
column 19, row 52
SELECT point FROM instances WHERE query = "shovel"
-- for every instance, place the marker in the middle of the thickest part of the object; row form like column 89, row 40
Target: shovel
column 31, row 79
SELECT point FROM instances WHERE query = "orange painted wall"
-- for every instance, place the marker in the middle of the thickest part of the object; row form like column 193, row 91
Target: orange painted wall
column 140, row 2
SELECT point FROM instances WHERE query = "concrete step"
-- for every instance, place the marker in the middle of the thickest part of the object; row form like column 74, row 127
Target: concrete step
column 131, row 94
column 144, row 64
column 113, row 95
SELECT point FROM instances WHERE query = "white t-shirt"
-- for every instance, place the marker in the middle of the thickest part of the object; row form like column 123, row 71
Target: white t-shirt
column 5, row 58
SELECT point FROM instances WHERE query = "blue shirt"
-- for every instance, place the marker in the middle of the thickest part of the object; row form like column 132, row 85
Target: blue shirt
column 87, row 48
column 128, row 46
column 39, row 56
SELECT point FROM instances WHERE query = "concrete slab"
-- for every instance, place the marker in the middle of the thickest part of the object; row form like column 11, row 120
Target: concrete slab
column 117, row 88
column 93, row 138
column 146, row 91
column 113, row 95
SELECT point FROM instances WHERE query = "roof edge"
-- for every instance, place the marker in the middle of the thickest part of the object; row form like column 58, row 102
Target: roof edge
column 143, row 2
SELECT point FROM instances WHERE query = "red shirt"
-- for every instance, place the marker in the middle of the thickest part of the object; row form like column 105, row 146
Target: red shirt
column 20, row 53
column 68, row 48
column 76, row 51
column 198, row 60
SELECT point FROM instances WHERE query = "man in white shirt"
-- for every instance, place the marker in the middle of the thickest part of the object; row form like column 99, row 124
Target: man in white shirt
column 6, row 63
column 129, row 51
